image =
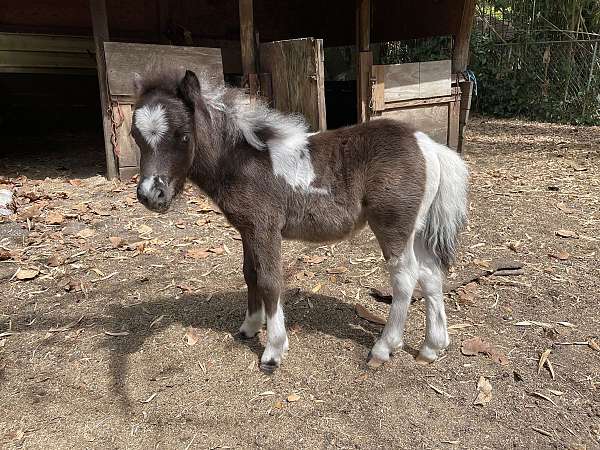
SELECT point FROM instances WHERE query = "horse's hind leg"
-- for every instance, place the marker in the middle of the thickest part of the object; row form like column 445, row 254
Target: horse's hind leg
column 431, row 282
column 403, row 267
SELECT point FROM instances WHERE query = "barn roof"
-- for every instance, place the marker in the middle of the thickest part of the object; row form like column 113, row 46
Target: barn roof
column 331, row 20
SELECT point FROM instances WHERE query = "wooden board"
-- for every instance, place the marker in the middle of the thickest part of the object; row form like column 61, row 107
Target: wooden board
column 128, row 151
column 297, row 78
column 412, row 81
column 432, row 120
column 123, row 59
column 28, row 53
column 435, row 79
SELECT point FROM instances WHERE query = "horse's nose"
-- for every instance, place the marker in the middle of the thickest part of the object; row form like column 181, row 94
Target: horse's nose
column 151, row 192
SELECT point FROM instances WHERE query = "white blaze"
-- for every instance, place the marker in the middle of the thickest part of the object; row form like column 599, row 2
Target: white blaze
column 152, row 122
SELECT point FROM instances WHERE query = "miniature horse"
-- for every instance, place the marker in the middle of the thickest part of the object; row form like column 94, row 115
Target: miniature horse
column 273, row 180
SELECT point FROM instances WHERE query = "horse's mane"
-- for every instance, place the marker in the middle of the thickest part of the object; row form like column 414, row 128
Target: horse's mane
column 253, row 120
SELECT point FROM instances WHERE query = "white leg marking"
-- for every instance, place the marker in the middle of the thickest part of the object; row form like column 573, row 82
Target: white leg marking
column 253, row 322
column 277, row 340
column 436, row 329
column 403, row 274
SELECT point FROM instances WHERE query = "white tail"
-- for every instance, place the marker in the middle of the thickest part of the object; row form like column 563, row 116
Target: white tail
column 445, row 205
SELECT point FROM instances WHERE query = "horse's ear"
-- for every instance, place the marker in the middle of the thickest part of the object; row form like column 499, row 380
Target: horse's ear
column 190, row 88
column 137, row 84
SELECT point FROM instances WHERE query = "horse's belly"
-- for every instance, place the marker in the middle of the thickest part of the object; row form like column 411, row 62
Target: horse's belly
column 327, row 223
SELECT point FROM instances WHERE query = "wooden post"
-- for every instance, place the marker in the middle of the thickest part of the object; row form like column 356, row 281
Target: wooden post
column 460, row 61
column 248, row 44
column 364, row 60
column 460, row 55
column 100, row 28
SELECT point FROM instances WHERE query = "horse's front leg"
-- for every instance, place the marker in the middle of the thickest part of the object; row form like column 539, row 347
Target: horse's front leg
column 255, row 313
column 265, row 247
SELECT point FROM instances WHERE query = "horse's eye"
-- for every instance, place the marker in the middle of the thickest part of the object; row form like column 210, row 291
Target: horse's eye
column 185, row 138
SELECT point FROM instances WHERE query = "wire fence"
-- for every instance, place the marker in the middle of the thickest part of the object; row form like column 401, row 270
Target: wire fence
column 548, row 74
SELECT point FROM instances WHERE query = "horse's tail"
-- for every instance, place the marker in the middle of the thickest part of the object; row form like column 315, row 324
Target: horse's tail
column 447, row 183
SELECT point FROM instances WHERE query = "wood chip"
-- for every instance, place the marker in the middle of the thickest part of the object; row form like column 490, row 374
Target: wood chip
column 149, row 399
column 26, row 274
column 116, row 333
column 545, row 397
column 192, row 336
column 567, row 234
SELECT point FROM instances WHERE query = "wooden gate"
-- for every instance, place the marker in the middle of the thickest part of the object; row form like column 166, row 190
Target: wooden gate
column 293, row 78
column 422, row 94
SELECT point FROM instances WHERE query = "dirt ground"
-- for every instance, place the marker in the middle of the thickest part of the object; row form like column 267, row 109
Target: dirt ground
column 117, row 325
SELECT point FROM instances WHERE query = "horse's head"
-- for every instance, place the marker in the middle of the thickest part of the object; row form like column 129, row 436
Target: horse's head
column 163, row 128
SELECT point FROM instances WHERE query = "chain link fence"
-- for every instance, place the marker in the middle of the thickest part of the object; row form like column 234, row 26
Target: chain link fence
column 548, row 74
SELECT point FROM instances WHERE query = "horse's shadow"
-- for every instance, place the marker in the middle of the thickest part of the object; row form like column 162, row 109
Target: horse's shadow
column 224, row 312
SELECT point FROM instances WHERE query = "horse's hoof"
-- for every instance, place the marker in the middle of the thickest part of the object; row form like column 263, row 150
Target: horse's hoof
column 269, row 367
column 244, row 336
column 373, row 361
column 424, row 360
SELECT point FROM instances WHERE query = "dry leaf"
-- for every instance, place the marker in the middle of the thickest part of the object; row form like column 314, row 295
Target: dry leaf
column 293, row 398
column 476, row 345
column 5, row 255
column 316, row 288
column 75, row 182
column 86, row 233
column 555, row 392
column 564, row 208
column 560, row 255
column 116, row 333
column 203, row 221
column 368, row 315
column 304, row 274
column 117, row 241
column 192, row 336
column 543, row 359
column 217, row 250
column 482, row 263
column 27, row 274
column 54, row 218
column 594, row 345
column 484, row 389
column 337, row 270
column 144, row 229
column 315, row 259
column 197, row 253
column 56, row 260
column 567, row 234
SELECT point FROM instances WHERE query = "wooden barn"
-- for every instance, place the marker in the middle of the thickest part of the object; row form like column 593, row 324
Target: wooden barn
column 332, row 61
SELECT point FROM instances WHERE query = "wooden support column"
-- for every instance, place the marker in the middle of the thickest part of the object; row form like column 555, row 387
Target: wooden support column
column 248, row 44
column 164, row 19
column 460, row 61
column 100, row 28
column 460, row 54
column 364, row 60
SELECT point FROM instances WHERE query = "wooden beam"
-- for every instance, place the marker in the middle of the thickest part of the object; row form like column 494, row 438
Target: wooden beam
column 100, row 29
column 460, row 56
column 365, row 58
column 248, row 43
column 164, row 19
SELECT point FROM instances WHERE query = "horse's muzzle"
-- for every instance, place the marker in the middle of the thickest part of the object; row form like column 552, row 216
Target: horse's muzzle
column 153, row 193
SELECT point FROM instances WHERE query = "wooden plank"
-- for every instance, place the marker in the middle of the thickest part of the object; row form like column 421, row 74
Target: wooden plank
column 365, row 62
column 320, row 72
column 453, row 123
column 46, row 43
column 266, row 87
column 460, row 53
column 248, row 44
column 296, row 77
column 432, row 120
column 401, row 82
column 378, row 74
column 100, row 30
column 434, row 78
column 45, row 60
column 466, row 88
column 127, row 150
column 421, row 102
column 365, row 59
column 123, row 59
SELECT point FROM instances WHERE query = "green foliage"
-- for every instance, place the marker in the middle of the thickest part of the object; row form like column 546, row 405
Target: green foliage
column 536, row 59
